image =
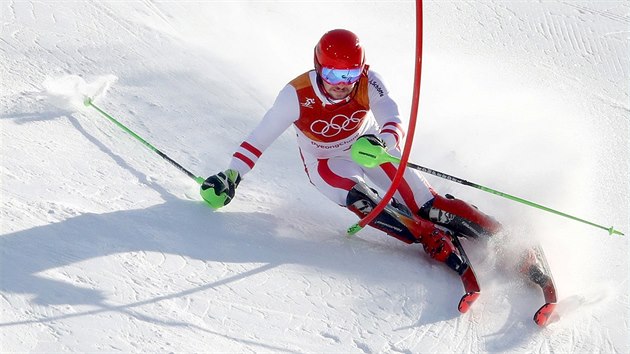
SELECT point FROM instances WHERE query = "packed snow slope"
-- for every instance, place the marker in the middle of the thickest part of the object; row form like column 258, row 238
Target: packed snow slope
column 105, row 247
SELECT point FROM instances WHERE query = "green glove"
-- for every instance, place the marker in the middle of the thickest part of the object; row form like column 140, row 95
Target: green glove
column 218, row 190
column 368, row 151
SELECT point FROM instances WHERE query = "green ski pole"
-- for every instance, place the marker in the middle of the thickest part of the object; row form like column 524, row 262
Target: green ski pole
column 371, row 156
column 88, row 102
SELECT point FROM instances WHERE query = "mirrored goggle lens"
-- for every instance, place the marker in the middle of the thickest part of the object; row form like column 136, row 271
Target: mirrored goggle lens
column 337, row 76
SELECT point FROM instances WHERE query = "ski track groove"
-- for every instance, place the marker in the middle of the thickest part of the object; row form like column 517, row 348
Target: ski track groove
column 32, row 8
column 13, row 14
column 623, row 69
column 105, row 10
column 463, row 345
column 605, row 14
column 150, row 4
column 555, row 32
column 573, row 37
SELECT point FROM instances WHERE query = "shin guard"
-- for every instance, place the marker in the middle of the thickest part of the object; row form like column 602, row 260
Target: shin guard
column 395, row 220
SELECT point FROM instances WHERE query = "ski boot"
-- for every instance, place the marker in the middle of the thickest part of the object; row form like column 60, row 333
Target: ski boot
column 440, row 246
column 460, row 217
column 397, row 221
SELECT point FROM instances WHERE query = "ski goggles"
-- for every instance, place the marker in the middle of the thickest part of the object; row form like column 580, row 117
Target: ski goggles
column 337, row 76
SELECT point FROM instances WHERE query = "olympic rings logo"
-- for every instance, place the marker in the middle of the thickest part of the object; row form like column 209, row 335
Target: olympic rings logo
column 338, row 124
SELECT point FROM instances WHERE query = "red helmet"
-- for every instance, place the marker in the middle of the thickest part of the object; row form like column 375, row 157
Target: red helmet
column 339, row 49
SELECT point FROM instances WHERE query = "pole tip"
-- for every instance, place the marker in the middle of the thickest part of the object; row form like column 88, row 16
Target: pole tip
column 87, row 101
column 612, row 231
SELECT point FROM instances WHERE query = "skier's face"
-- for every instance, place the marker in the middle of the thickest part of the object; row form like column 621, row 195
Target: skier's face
column 339, row 91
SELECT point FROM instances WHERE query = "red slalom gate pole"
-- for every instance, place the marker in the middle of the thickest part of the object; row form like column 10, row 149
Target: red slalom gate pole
column 410, row 130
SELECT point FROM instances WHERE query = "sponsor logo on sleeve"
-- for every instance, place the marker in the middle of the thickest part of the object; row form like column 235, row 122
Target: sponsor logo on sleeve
column 377, row 87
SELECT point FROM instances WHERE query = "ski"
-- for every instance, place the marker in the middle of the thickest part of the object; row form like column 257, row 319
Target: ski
column 536, row 268
column 399, row 222
column 469, row 279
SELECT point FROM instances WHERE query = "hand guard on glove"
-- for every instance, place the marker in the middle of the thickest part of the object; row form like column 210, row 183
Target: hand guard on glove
column 368, row 150
column 218, row 190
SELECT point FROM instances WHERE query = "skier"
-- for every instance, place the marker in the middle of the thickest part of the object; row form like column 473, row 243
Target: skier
column 342, row 101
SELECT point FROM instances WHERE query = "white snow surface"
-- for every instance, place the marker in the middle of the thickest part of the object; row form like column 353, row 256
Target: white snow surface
column 105, row 247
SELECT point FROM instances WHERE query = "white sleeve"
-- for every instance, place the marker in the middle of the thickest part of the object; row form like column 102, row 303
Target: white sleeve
column 385, row 111
column 279, row 117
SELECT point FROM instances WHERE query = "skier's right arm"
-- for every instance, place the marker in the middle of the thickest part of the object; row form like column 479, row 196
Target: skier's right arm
column 219, row 189
column 285, row 110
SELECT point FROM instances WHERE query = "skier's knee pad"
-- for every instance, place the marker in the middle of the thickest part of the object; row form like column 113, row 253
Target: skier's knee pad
column 459, row 216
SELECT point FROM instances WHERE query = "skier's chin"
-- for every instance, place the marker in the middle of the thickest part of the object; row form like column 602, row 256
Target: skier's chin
column 340, row 93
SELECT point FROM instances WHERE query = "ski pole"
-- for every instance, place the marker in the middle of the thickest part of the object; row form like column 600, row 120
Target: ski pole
column 371, row 158
column 88, row 102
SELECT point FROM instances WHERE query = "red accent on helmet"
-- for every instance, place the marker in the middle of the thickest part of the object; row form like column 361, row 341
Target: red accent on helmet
column 339, row 49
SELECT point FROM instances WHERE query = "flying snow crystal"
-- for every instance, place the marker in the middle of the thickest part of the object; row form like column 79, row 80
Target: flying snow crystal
column 69, row 91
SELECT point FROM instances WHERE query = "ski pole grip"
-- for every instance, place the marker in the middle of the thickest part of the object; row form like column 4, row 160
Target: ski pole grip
column 369, row 155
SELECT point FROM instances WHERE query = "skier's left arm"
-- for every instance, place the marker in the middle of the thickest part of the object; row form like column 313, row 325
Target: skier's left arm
column 385, row 111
